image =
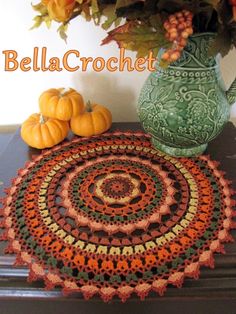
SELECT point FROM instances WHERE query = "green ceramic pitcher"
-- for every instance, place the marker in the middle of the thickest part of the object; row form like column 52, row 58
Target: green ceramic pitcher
column 186, row 105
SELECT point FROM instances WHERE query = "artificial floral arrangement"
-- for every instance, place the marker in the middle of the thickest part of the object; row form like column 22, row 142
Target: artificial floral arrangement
column 148, row 25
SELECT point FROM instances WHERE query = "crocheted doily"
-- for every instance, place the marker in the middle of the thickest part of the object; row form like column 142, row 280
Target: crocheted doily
column 110, row 215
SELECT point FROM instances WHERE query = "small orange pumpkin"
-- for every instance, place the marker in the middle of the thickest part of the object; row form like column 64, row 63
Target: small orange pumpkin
column 61, row 103
column 40, row 132
column 95, row 120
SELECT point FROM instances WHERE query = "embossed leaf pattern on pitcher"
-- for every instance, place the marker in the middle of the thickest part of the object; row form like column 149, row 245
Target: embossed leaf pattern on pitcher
column 185, row 105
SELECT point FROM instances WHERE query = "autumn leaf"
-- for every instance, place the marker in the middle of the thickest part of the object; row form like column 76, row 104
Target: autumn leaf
column 40, row 8
column 95, row 11
column 142, row 28
column 226, row 36
column 62, row 29
column 111, row 18
column 124, row 29
column 137, row 36
column 85, row 11
column 38, row 20
column 214, row 3
column 222, row 44
column 47, row 20
column 126, row 3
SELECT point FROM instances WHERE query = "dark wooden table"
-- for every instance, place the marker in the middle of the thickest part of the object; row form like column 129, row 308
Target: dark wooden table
column 214, row 292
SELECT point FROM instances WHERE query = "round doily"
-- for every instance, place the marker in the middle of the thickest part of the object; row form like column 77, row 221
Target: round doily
column 112, row 216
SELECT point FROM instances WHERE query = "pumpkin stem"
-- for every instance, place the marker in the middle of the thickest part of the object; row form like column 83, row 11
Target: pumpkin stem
column 41, row 119
column 89, row 107
column 64, row 91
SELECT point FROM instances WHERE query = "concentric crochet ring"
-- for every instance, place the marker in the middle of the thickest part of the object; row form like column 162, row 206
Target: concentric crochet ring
column 111, row 216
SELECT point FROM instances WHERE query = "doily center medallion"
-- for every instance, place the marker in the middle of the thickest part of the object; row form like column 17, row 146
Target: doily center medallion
column 112, row 216
column 117, row 188
column 118, row 194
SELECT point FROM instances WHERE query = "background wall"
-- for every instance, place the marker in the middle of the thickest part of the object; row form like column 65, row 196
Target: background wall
column 20, row 90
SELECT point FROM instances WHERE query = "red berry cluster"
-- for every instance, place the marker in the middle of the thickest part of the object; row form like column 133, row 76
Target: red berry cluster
column 179, row 28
